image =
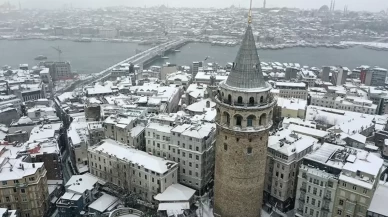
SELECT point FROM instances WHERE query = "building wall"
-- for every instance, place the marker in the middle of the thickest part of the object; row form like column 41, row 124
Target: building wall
column 7, row 116
column 293, row 93
column 195, row 156
column 52, row 164
column 315, row 193
column 142, row 181
column 29, row 194
column 352, row 199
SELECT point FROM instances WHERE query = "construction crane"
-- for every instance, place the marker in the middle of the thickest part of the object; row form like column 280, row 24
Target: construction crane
column 59, row 52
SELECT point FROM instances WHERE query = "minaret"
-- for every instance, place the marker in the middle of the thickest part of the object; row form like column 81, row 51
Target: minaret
column 264, row 3
column 331, row 5
column 244, row 117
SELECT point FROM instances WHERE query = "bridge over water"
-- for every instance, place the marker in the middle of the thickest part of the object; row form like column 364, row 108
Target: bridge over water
column 139, row 59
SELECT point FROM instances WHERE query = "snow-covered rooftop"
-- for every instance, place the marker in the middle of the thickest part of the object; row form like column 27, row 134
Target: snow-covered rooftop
column 141, row 158
column 175, row 192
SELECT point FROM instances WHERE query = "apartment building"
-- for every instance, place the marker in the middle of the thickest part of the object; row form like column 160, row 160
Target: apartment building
column 347, row 103
column 337, row 181
column 373, row 76
column 118, row 127
column 292, row 90
column 191, row 145
column 286, row 150
column 317, row 183
column 357, row 183
column 141, row 173
column 23, row 185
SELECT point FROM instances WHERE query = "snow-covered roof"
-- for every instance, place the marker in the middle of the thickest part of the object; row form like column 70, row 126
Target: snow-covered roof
column 379, row 201
column 127, row 153
column 80, row 183
column 288, row 143
column 308, row 131
column 103, row 202
column 160, row 127
column 17, row 172
column 176, row 192
column 292, row 104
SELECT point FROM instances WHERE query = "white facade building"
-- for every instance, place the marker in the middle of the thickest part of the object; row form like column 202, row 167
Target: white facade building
column 286, row 150
column 139, row 172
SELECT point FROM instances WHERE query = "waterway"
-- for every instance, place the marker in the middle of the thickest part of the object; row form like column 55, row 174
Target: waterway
column 97, row 56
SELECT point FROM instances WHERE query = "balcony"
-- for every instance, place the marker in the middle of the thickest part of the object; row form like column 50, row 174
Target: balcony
column 301, row 199
column 325, row 209
column 303, row 189
column 126, row 212
column 327, row 198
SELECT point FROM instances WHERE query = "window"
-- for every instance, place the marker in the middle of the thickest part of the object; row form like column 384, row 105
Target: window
column 249, row 150
column 250, row 120
column 313, row 201
column 354, row 187
column 238, row 120
column 307, row 199
column 319, row 203
column 341, row 202
column 364, row 191
column 344, row 184
column 315, row 191
column 190, row 155
column 183, row 171
column 23, row 190
column 197, row 157
column 239, row 100
column 339, row 212
column 251, row 101
column 311, row 212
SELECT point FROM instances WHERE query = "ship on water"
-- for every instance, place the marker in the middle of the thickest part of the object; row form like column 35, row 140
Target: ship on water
column 83, row 40
column 41, row 57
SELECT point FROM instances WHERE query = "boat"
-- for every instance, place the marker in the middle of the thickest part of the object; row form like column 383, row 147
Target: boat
column 83, row 40
column 177, row 50
column 41, row 57
column 165, row 57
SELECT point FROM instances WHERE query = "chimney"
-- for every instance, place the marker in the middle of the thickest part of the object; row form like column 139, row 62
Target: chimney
column 33, row 165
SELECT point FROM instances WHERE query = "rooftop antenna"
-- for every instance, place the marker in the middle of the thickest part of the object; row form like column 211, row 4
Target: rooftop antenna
column 250, row 14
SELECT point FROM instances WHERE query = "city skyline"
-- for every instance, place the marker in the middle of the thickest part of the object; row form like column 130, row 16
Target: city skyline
column 357, row 5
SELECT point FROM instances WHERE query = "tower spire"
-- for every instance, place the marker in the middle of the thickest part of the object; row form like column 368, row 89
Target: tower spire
column 250, row 14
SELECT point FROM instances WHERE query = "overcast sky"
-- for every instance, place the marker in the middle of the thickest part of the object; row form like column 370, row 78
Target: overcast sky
column 370, row 5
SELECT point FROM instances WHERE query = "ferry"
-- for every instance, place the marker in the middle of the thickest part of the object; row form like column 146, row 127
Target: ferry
column 41, row 57
column 83, row 40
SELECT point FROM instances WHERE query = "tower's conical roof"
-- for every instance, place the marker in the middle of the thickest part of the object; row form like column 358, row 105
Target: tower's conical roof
column 246, row 72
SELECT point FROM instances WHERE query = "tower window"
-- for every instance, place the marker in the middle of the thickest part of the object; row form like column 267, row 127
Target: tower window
column 239, row 100
column 229, row 99
column 249, row 150
column 225, row 147
column 250, row 120
column 251, row 101
column 238, row 120
column 261, row 99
